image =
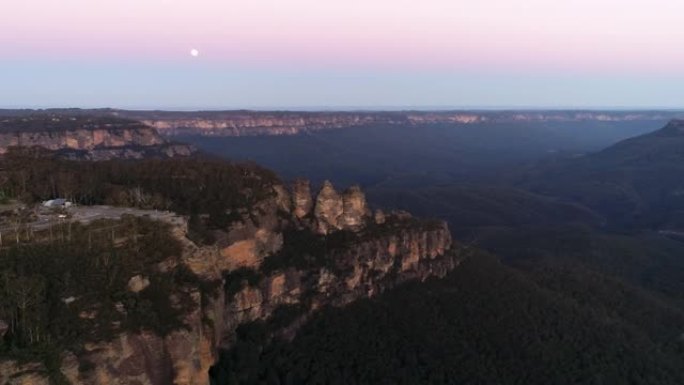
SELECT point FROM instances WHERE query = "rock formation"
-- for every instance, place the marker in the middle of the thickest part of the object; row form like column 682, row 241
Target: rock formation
column 329, row 209
column 301, row 198
column 355, row 209
column 390, row 251
column 362, row 270
column 138, row 283
column 333, row 211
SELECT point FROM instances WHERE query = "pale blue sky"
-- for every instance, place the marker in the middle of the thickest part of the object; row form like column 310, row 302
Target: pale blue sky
column 335, row 53
column 196, row 86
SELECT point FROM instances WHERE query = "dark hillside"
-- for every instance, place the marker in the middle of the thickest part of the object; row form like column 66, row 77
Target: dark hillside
column 484, row 324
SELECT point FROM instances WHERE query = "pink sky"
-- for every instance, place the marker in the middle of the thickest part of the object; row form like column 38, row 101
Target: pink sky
column 500, row 35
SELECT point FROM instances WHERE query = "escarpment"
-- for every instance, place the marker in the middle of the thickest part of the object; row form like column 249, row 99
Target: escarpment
column 344, row 255
column 88, row 138
column 247, row 123
column 253, row 123
column 291, row 251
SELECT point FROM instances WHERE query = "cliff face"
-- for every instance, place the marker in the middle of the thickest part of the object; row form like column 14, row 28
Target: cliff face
column 362, row 270
column 248, row 123
column 181, row 357
column 251, row 124
column 88, row 138
column 359, row 255
column 244, row 123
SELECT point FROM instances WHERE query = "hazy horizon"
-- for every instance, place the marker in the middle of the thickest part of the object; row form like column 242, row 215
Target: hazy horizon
column 359, row 108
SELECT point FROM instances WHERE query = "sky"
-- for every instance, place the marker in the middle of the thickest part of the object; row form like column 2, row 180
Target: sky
column 323, row 54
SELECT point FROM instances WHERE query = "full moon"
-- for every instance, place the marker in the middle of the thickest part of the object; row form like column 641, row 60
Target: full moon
column 194, row 52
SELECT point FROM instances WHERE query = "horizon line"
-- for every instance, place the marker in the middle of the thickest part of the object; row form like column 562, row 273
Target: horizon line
column 436, row 108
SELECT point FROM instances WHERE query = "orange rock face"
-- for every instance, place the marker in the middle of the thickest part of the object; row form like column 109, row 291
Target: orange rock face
column 95, row 141
column 404, row 249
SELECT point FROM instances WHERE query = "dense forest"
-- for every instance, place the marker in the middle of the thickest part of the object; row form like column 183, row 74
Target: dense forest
column 72, row 287
column 485, row 323
column 583, row 284
column 49, row 122
column 189, row 186
column 636, row 183
column 412, row 156
column 580, row 286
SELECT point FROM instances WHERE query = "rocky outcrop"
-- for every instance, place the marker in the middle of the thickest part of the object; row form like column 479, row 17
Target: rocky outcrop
column 363, row 257
column 301, row 198
column 333, row 211
column 88, row 138
column 252, row 250
column 138, row 283
column 284, row 199
column 329, row 209
column 355, row 209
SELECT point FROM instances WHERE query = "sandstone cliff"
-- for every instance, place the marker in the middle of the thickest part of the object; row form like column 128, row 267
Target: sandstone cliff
column 262, row 268
column 243, row 123
column 88, row 137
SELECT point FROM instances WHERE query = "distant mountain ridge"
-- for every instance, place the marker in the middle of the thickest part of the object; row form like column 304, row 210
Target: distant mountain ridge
column 250, row 123
column 636, row 182
column 675, row 127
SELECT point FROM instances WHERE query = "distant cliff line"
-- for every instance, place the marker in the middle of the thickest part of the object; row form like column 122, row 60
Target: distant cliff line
column 254, row 123
column 86, row 137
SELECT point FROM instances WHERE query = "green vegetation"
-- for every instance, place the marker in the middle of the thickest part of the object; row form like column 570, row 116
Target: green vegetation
column 467, row 206
column 212, row 189
column 589, row 294
column 644, row 259
column 636, row 183
column 484, row 324
column 55, row 122
column 58, row 295
column 575, row 304
column 408, row 156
